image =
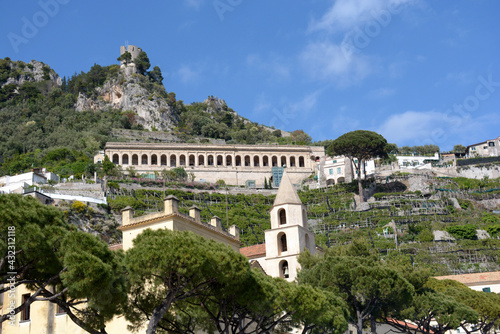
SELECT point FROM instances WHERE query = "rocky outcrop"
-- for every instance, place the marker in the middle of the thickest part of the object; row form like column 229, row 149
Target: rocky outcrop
column 34, row 71
column 153, row 111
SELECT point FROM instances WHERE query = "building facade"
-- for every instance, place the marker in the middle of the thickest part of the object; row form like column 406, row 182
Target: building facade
column 47, row 318
column 288, row 237
column 488, row 148
column 235, row 164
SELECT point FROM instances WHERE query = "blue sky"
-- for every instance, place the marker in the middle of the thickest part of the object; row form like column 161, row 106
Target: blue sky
column 418, row 72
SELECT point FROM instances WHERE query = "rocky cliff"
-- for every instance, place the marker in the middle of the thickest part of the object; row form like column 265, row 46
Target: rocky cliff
column 153, row 107
column 18, row 72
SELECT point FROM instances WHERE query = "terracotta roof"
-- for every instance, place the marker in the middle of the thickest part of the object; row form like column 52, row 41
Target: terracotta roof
column 471, row 279
column 286, row 192
column 254, row 251
column 115, row 246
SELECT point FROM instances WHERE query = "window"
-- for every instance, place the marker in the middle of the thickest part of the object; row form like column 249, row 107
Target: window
column 284, row 247
column 486, row 290
column 339, row 170
column 25, row 314
column 282, row 216
column 331, row 171
column 472, row 148
column 334, row 161
column 60, row 310
column 491, row 144
column 485, row 147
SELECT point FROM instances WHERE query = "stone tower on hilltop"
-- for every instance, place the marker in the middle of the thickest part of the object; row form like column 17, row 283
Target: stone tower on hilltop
column 129, row 67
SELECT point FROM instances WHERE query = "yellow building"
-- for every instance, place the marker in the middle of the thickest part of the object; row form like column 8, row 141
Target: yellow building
column 46, row 318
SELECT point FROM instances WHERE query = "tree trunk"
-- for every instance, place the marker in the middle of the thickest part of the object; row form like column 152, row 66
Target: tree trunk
column 158, row 313
column 360, row 187
column 359, row 325
column 373, row 325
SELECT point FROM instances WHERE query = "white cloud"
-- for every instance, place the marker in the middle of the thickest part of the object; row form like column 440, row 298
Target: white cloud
column 463, row 78
column 444, row 129
column 187, row 74
column 345, row 15
column 332, row 62
column 381, row 93
column 196, row 4
column 274, row 65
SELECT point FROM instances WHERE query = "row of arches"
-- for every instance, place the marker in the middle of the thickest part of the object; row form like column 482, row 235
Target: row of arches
column 331, row 182
column 207, row 160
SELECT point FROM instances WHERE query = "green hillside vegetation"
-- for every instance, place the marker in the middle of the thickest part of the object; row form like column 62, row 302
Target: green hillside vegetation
column 335, row 223
column 38, row 117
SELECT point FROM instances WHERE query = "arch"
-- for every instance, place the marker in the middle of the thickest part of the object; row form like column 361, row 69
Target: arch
column 163, row 159
column 210, row 160
column 144, row 159
column 135, row 159
column 282, row 216
column 282, row 243
column 116, row 159
column 154, row 159
column 256, row 161
column 307, row 241
column 238, row 160
column 201, row 160
column 274, row 161
column 301, row 162
column 125, row 159
column 283, row 269
column 247, row 160
column 292, row 162
column 182, row 160
column 265, row 161
column 340, row 180
column 283, row 162
column 173, row 161
column 220, row 160
column 191, row 160
column 330, row 182
column 229, row 160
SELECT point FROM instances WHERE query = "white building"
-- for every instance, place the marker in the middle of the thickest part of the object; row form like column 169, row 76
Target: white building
column 287, row 238
column 486, row 282
column 16, row 183
column 340, row 170
column 416, row 161
column 488, row 148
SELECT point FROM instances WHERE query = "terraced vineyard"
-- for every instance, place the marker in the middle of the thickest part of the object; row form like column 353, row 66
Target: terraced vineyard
column 401, row 224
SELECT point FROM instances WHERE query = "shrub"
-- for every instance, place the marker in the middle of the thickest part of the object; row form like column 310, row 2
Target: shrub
column 494, row 230
column 467, row 231
column 78, row 207
column 426, row 236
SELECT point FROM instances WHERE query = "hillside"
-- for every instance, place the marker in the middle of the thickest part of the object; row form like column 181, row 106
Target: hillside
column 447, row 226
column 41, row 112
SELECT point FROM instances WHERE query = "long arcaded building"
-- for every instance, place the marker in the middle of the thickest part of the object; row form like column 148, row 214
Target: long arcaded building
column 235, row 164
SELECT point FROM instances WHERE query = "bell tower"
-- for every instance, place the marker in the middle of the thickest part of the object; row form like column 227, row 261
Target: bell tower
column 289, row 234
